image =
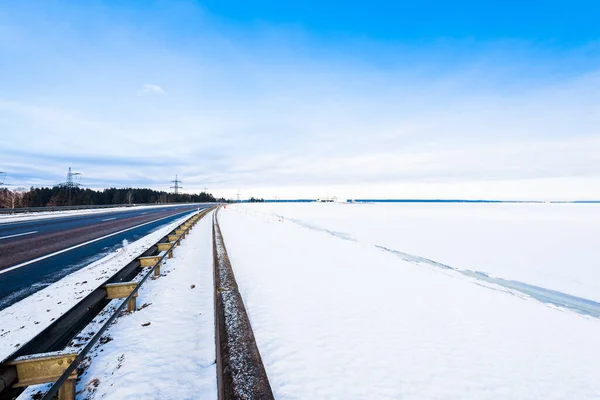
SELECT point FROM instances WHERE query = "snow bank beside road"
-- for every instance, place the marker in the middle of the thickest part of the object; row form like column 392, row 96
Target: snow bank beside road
column 340, row 319
column 173, row 356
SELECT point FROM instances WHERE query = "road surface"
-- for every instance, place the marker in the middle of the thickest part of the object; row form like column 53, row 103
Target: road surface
column 33, row 254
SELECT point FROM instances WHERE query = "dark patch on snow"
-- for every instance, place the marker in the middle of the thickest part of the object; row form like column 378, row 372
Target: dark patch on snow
column 144, row 306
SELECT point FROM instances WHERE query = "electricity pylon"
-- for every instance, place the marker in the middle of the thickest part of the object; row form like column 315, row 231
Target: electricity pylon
column 177, row 186
column 70, row 183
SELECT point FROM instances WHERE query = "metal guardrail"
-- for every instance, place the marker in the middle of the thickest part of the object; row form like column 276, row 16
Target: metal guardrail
column 58, row 208
column 240, row 371
column 65, row 376
column 93, row 304
column 68, row 208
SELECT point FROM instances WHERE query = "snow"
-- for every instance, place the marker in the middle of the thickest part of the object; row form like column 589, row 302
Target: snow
column 7, row 218
column 339, row 318
column 28, row 317
column 174, row 356
column 553, row 246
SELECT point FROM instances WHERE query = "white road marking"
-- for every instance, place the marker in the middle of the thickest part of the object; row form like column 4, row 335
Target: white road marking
column 144, row 213
column 19, row 234
column 79, row 245
column 109, row 219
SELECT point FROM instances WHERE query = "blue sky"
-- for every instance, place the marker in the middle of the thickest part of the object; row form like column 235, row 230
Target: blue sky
column 557, row 22
column 305, row 99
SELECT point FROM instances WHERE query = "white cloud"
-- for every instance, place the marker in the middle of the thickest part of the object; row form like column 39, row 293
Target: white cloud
column 300, row 123
column 151, row 89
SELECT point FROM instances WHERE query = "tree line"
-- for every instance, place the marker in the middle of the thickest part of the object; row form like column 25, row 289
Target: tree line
column 60, row 196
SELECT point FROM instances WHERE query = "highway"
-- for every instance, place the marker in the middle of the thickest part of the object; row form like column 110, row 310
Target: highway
column 36, row 253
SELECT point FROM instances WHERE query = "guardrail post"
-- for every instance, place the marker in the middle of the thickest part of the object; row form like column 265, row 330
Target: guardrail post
column 45, row 368
column 166, row 246
column 180, row 232
column 67, row 390
column 121, row 291
column 151, row 261
column 174, row 238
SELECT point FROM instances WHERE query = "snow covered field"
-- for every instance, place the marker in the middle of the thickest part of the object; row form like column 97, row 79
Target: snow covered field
column 554, row 246
column 336, row 317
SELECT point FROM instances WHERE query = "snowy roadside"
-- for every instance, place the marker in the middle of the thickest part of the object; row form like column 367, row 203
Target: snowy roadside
column 166, row 349
column 341, row 319
column 23, row 320
column 173, row 356
column 58, row 214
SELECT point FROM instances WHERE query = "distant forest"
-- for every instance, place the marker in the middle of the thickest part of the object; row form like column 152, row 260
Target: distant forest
column 59, row 196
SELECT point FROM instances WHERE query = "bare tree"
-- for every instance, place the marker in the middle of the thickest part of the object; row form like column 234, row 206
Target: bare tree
column 129, row 197
column 12, row 198
column 5, row 198
column 18, row 195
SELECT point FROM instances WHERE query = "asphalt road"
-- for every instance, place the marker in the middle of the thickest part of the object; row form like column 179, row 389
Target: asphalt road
column 28, row 261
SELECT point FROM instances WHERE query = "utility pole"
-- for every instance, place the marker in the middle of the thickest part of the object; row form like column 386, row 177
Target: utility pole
column 177, row 186
column 238, row 195
column 70, row 183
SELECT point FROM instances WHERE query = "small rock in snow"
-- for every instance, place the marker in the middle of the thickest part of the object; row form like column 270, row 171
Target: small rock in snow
column 146, row 324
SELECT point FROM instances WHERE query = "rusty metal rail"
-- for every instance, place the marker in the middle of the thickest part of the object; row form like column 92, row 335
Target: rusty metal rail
column 40, row 362
column 240, row 370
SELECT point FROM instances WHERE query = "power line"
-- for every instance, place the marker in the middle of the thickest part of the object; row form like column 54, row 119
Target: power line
column 177, row 186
